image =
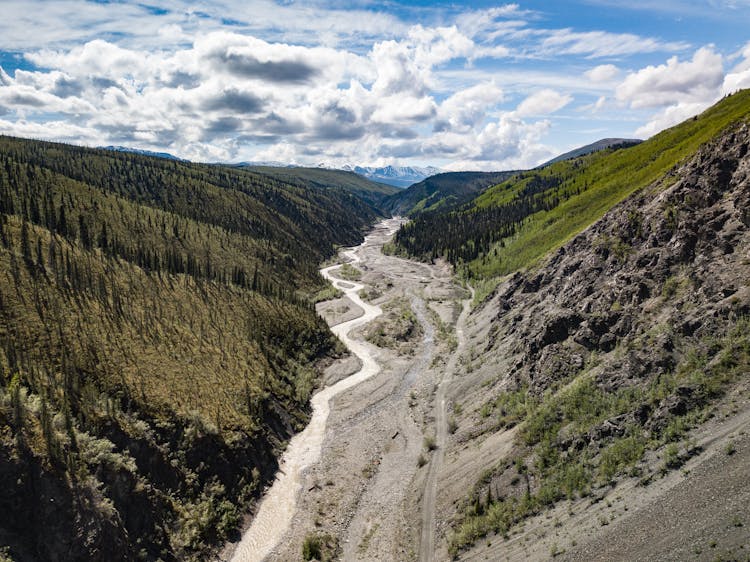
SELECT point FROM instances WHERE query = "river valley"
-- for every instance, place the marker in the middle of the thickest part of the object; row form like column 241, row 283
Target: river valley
column 361, row 468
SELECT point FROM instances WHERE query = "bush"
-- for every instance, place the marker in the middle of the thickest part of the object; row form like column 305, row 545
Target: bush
column 311, row 547
column 452, row 425
column 322, row 547
column 672, row 458
column 621, row 454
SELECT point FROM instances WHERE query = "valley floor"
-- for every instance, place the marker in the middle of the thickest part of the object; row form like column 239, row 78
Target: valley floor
column 389, row 475
column 366, row 488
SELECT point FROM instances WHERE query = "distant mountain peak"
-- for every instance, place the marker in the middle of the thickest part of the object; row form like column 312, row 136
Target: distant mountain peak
column 593, row 147
column 398, row 176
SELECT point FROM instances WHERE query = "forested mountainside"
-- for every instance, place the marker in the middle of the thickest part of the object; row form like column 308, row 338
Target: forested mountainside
column 511, row 225
column 372, row 192
column 441, row 192
column 158, row 345
column 593, row 368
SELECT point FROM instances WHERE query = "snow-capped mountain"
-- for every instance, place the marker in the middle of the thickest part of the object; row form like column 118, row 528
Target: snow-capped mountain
column 398, row 176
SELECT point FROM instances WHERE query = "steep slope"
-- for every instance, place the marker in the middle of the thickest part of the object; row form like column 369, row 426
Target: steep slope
column 369, row 191
column 442, row 192
column 157, row 345
column 512, row 225
column 619, row 358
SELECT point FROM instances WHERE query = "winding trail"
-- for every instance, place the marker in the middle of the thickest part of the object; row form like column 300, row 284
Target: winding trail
column 427, row 537
column 279, row 503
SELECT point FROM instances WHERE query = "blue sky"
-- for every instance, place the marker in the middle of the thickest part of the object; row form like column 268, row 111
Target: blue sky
column 459, row 85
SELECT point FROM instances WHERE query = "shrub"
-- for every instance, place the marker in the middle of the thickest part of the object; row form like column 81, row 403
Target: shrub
column 311, row 547
column 452, row 425
column 320, row 546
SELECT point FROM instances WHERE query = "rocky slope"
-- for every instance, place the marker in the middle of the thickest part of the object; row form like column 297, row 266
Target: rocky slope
column 594, row 367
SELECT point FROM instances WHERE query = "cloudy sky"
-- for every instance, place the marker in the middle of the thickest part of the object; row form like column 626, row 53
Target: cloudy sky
column 456, row 84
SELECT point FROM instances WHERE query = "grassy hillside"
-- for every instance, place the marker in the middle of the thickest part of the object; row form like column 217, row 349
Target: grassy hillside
column 511, row 225
column 441, row 192
column 157, row 345
column 369, row 191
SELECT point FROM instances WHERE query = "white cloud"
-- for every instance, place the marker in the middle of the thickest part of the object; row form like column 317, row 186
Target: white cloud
column 596, row 44
column 602, row 73
column 468, row 108
column 5, row 80
column 739, row 77
column 52, row 130
column 680, row 89
column 492, row 23
column 399, row 108
column 595, row 107
column 64, row 23
column 686, row 82
column 543, row 102
column 307, row 81
column 506, row 144
column 670, row 116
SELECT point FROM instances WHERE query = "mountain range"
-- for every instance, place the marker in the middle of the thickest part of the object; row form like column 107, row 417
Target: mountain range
column 398, row 176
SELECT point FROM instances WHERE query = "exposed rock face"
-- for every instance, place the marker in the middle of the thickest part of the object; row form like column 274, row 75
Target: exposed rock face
column 659, row 273
column 622, row 341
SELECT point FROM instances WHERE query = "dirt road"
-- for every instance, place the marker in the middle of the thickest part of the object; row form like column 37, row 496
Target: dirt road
column 427, row 537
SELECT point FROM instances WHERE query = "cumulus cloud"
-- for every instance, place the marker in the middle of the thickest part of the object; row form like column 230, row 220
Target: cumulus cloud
column 679, row 89
column 739, row 76
column 235, row 101
column 670, row 116
column 468, row 108
column 326, row 83
column 543, row 102
column 688, row 82
column 506, row 144
column 602, row 73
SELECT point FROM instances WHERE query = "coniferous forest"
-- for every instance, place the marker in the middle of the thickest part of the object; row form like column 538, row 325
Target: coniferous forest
column 158, row 344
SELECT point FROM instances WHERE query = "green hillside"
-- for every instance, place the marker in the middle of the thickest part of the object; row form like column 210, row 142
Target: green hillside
column 158, row 345
column 441, row 192
column 369, row 191
column 511, row 225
